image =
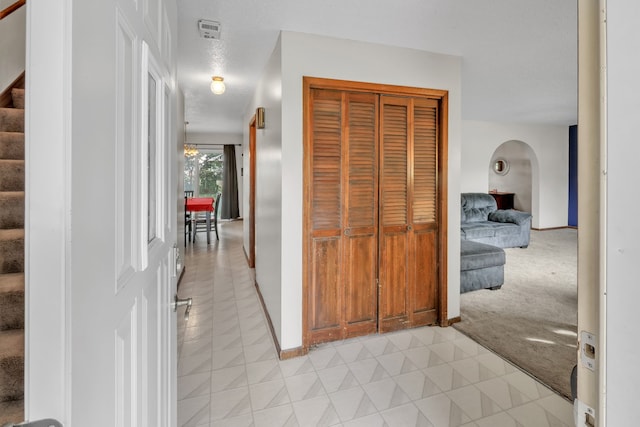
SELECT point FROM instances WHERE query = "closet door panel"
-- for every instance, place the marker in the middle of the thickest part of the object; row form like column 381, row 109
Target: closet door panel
column 324, row 313
column 342, row 298
column 394, row 214
column 408, row 211
column 424, row 268
column 361, row 200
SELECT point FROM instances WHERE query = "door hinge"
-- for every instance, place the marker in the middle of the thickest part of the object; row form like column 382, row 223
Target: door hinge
column 583, row 415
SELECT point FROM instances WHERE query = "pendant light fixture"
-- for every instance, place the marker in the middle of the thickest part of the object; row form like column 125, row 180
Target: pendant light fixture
column 217, row 85
column 190, row 150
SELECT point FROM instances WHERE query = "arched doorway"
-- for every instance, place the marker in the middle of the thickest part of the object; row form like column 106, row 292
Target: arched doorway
column 514, row 169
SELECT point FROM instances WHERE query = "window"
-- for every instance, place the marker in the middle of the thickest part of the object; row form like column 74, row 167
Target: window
column 203, row 173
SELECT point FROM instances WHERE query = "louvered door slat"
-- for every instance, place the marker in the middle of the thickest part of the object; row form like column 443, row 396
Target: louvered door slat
column 362, row 163
column 394, row 155
column 425, row 159
column 326, row 160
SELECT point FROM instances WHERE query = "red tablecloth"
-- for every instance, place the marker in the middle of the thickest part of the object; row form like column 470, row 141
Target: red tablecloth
column 198, row 204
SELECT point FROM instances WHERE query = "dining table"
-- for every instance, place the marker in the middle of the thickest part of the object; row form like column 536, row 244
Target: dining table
column 201, row 204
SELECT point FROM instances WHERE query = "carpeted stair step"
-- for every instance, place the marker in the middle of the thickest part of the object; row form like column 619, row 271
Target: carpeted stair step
column 11, row 209
column 11, row 411
column 11, row 251
column 12, row 307
column 11, row 301
column 12, row 145
column 18, row 97
column 11, row 120
column 11, row 175
column 11, row 365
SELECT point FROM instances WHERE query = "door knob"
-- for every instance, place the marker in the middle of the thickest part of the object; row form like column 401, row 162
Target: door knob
column 179, row 302
column 409, row 228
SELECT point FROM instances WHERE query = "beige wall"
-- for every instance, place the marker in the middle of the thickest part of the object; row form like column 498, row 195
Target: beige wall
column 12, row 45
column 280, row 160
column 550, row 164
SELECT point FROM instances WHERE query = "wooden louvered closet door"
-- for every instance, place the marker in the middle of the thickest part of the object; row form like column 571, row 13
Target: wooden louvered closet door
column 408, row 213
column 342, row 292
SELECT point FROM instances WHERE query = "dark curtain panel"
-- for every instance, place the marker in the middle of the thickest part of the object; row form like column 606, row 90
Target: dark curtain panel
column 229, row 207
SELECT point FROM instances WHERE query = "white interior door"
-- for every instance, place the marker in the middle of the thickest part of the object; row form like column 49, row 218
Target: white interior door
column 118, row 220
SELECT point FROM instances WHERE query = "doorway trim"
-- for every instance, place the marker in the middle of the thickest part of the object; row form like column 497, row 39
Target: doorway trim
column 524, row 152
column 252, row 193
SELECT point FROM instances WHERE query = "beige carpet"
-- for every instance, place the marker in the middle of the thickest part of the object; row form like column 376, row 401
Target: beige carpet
column 532, row 320
column 12, row 259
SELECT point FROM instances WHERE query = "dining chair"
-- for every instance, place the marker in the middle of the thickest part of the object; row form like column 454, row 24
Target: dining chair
column 188, row 219
column 187, row 222
column 200, row 221
column 216, row 209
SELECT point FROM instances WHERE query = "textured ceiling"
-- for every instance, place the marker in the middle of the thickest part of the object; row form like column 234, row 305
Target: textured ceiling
column 519, row 57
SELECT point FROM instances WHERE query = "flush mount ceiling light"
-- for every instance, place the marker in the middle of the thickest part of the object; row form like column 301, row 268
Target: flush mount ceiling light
column 217, row 85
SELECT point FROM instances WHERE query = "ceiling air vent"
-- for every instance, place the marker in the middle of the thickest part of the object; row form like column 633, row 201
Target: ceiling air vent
column 209, row 29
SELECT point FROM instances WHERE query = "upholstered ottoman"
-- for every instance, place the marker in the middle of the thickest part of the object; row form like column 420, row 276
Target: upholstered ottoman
column 481, row 266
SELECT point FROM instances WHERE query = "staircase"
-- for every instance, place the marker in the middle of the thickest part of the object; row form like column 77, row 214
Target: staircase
column 12, row 260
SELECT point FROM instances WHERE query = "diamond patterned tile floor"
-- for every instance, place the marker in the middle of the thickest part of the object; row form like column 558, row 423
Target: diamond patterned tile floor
column 229, row 374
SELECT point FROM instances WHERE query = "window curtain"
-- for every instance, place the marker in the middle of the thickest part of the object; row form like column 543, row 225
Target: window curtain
column 229, row 207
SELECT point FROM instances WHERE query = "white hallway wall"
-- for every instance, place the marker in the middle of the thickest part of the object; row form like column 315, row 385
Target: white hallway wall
column 269, row 204
column 621, row 225
column 280, row 160
column 550, row 176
